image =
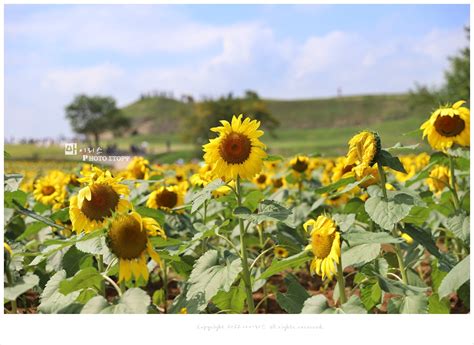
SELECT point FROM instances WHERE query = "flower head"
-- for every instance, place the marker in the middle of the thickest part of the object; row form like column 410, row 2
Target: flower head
column 447, row 126
column 128, row 238
column 325, row 244
column 166, row 198
column 363, row 150
column 237, row 151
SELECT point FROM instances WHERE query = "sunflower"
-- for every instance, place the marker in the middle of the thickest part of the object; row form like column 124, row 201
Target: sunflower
column 138, row 169
column 448, row 125
column 51, row 189
column 300, row 164
column 261, row 180
column 128, row 238
column 98, row 201
column 280, row 252
column 438, row 179
column 277, row 182
column 363, row 150
column 237, row 151
column 325, row 244
column 166, row 198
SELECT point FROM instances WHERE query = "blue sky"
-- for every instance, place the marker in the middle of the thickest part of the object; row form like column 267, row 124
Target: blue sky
column 53, row 52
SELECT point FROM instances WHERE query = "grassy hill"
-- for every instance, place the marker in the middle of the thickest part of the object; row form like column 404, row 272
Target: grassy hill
column 164, row 115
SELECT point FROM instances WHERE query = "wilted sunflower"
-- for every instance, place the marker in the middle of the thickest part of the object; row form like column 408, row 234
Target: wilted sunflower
column 363, row 150
column 128, row 238
column 280, row 252
column 325, row 244
column 166, row 198
column 237, row 151
column 98, row 201
column 300, row 164
column 438, row 179
column 448, row 125
column 51, row 189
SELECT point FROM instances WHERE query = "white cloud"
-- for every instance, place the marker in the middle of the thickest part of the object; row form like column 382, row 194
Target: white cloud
column 201, row 59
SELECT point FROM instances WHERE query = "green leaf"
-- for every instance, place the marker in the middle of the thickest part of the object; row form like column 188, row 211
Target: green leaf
column 459, row 225
column 199, row 198
column 317, row 305
column 293, row 300
column 455, row 278
column 388, row 213
column 192, row 305
column 399, row 149
column 12, row 182
column 86, row 278
column 53, row 301
column 414, row 304
column 156, row 214
column 21, row 286
column 32, row 229
column 335, row 186
column 361, row 254
column 437, row 305
column 18, row 196
column 344, row 221
column 209, row 276
column 397, row 287
column 232, row 301
column 36, row 216
column 384, row 158
column 272, row 158
column 278, row 266
column 364, row 237
column 133, row 301
column 270, row 211
column 352, row 306
column 371, row 295
column 252, row 200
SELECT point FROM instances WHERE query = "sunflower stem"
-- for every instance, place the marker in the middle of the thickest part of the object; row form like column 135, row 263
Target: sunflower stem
column 165, row 286
column 399, row 254
column 341, row 283
column 243, row 250
column 8, row 273
column 114, row 284
column 453, row 183
column 100, row 268
column 383, row 180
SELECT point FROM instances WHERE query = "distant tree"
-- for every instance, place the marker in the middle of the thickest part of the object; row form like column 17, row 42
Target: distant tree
column 458, row 75
column 456, row 85
column 95, row 115
column 209, row 112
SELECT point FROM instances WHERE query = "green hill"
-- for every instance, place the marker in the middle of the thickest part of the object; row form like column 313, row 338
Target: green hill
column 164, row 115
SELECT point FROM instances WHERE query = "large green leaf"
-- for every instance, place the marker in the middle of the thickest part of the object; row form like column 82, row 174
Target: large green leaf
column 363, row 237
column 53, row 301
column 335, row 186
column 86, row 278
column 437, row 305
column 360, row 254
column 352, row 306
column 278, row 266
column 209, row 275
column 390, row 212
column 455, row 278
column 199, row 198
column 317, row 305
column 21, row 286
column 268, row 210
column 384, row 158
column 371, row 295
column 459, row 225
column 232, row 301
column 292, row 301
column 133, row 301
column 411, row 304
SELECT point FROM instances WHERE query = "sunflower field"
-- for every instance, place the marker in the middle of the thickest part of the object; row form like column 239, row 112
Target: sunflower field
column 379, row 230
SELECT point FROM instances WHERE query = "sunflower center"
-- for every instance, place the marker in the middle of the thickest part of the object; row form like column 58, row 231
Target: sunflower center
column 103, row 202
column 300, row 166
column 261, row 179
column 449, row 126
column 48, row 190
column 167, row 199
column 277, row 183
column 126, row 239
column 235, row 148
column 322, row 244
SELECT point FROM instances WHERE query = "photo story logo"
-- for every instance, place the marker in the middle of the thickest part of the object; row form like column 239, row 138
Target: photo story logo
column 91, row 154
